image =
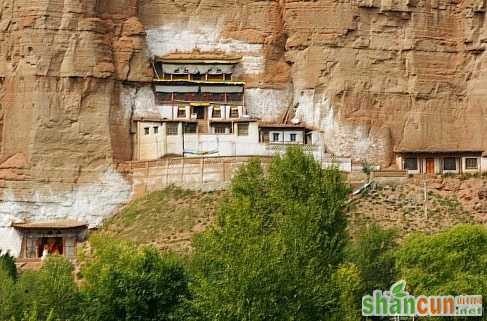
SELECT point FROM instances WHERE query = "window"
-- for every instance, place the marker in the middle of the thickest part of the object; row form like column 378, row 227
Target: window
column 146, row 130
column 216, row 97
column 222, row 128
column 163, row 98
column 217, row 77
column 156, row 130
column 292, row 137
column 235, row 97
column 471, row 163
column 197, row 77
column 180, row 77
column 190, row 128
column 179, row 96
column 234, row 112
column 243, row 129
column 228, row 76
column 450, row 164
column 275, row 137
column 411, row 164
column 309, row 138
column 181, row 112
column 69, row 247
column 216, row 112
column 171, row 129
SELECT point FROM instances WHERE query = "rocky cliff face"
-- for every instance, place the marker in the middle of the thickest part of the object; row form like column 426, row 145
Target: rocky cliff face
column 372, row 75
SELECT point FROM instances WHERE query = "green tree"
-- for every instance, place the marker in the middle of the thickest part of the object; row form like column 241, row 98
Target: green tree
column 278, row 239
column 450, row 262
column 49, row 293
column 349, row 283
column 7, row 262
column 123, row 282
column 373, row 254
column 453, row 261
column 7, row 298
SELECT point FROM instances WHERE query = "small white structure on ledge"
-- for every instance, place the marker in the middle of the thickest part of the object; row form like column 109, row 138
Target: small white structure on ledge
column 440, row 161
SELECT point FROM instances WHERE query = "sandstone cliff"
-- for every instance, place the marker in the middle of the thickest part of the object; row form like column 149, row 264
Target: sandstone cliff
column 372, row 75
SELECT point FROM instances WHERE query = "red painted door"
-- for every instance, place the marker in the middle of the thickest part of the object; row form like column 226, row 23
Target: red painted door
column 430, row 166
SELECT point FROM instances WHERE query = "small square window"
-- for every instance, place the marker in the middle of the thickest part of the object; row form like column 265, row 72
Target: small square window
column 216, row 113
column 162, row 98
column 243, row 129
column 471, row 163
column 450, row 164
column 234, row 112
column 411, row 164
column 146, row 130
column 190, row 128
column 222, row 128
column 171, row 129
column 292, row 137
column 235, row 97
column 275, row 137
column 181, row 112
column 156, row 130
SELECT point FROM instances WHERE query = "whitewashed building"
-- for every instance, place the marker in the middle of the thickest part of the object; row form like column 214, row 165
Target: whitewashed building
column 202, row 112
column 441, row 161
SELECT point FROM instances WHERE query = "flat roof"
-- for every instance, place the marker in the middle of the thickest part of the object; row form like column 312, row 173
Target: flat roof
column 199, row 57
column 54, row 224
column 436, row 150
column 234, row 120
column 205, row 82
column 274, row 125
column 163, row 119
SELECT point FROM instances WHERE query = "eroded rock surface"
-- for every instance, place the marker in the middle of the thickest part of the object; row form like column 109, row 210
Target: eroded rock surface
column 372, row 75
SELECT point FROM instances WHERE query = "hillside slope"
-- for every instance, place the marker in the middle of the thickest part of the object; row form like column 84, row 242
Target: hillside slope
column 165, row 219
column 168, row 219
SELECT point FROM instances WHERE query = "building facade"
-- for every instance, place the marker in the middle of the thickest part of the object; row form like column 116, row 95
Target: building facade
column 433, row 162
column 40, row 239
column 202, row 112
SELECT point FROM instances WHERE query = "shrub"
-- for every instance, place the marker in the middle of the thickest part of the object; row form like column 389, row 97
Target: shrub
column 123, row 282
column 50, row 292
column 373, row 254
column 7, row 263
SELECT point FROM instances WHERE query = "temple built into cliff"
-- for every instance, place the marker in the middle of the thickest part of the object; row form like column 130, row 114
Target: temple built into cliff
column 43, row 238
column 202, row 112
column 441, row 161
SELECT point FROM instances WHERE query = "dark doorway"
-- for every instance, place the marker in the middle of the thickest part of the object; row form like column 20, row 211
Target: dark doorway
column 199, row 111
column 53, row 246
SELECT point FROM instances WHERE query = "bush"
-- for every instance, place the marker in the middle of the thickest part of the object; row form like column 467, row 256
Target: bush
column 7, row 297
column 451, row 262
column 7, row 263
column 349, row 286
column 50, row 293
column 123, row 282
column 373, row 254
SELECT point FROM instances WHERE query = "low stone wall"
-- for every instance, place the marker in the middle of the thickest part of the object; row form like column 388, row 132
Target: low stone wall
column 202, row 173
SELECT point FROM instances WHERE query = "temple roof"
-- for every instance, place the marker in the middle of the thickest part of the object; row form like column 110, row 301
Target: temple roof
column 198, row 57
column 55, row 224
column 205, row 82
column 436, row 150
column 283, row 125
